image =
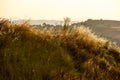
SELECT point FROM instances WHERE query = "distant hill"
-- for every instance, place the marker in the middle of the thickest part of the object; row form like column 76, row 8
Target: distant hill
column 106, row 28
column 102, row 23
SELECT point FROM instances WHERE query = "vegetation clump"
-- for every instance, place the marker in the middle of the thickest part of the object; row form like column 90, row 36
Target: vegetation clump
column 30, row 54
column 66, row 23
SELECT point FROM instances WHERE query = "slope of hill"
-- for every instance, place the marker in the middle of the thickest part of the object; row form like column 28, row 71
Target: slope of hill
column 77, row 54
column 106, row 28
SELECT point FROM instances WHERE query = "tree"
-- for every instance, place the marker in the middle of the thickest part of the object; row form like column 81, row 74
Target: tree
column 44, row 24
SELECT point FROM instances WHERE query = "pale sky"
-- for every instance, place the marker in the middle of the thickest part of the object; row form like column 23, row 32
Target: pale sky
column 58, row 9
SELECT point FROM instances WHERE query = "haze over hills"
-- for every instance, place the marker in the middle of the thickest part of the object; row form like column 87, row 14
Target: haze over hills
column 89, row 22
column 38, row 22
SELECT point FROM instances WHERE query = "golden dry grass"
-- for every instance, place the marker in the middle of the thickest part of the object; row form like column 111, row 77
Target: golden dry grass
column 76, row 54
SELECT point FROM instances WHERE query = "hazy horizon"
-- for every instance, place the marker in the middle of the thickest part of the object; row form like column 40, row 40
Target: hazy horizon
column 77, row 10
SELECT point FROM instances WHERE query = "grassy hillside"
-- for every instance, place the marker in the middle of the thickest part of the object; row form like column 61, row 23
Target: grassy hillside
column 76, row 54
column 107, row 28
